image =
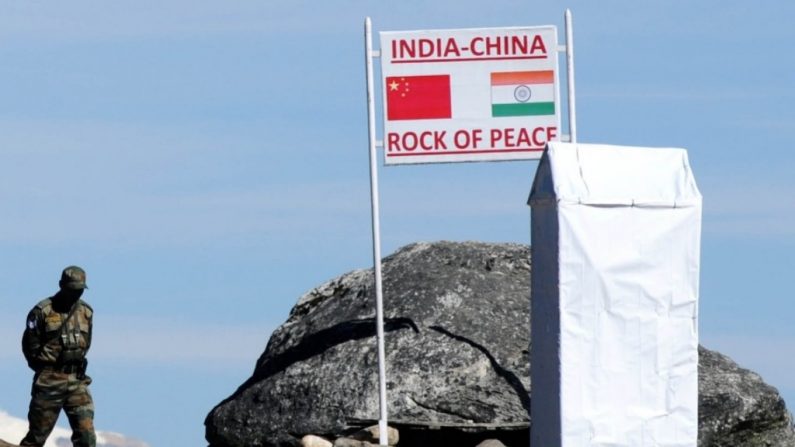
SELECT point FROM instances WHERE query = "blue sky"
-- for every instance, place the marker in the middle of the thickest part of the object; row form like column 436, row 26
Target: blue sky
column 206, row 162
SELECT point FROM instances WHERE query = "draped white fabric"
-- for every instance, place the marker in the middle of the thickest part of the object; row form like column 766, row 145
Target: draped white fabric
column 622, row 273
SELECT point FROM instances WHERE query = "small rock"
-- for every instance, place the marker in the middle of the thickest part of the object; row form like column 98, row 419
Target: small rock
column 491, row 443
column 5, row 444
column 313, row 441
column 350, row 442
column 372, row 435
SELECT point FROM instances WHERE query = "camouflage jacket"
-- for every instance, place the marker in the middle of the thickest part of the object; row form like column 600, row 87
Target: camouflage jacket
column 40, row 342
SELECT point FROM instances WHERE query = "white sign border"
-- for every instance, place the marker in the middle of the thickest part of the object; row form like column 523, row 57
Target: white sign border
column 453, row 155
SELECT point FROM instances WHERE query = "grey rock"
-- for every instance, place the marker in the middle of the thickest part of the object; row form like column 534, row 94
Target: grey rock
column 315, row 441
column 736, row 408
column 372, row 434
column 491, row 443
column 350, row 442
column 457, row 336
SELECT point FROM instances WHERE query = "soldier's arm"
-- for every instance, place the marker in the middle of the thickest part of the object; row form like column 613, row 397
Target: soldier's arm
column 33, row 339
column 90, row 328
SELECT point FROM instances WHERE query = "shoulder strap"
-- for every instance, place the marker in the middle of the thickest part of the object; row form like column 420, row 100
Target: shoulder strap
column 66, row 320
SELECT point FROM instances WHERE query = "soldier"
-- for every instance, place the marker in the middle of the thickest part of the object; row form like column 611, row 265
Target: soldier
column 55, row 342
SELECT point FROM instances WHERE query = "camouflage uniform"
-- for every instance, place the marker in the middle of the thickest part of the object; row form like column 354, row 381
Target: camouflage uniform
column 58, row 356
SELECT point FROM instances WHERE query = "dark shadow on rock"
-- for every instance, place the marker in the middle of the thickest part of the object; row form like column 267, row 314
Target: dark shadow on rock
column 509, row 377
column 316, row 344
column 423, row 437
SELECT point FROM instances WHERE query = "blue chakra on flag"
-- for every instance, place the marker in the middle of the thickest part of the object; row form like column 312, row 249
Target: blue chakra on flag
column 522, row 93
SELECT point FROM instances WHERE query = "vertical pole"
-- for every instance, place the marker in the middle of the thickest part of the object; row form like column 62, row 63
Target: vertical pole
column 570, row 76
column 379, row 305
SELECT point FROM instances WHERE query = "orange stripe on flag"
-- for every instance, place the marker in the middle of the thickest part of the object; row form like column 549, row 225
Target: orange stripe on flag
column 523, row 77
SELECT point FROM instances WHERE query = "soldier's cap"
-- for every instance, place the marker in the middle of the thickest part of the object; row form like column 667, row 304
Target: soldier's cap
column 74, row 278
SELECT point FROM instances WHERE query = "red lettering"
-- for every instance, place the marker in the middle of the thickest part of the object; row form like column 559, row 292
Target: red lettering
column 474, row 46
column 393, row 141
column 438, row 140
column 496, row 135
column 506, row 45
column 493, row 46
column 424, row 140
column 451, row 48
column 538, row 142
column 427, row 47
column 538, row 44
column 522, row 138
column 480, row 46
column 406, row 50
column 410, row 141
column 508, row 137
column 519, row 44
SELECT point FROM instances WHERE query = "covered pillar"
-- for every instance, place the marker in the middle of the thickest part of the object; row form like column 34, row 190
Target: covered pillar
column 614, row 321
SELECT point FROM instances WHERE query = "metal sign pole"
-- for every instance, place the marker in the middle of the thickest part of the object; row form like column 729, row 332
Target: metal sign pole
column 570, row 76
column 379, row 305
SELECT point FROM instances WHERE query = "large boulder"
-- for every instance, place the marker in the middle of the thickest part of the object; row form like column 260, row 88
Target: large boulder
column 736, row 408
column 457, row 337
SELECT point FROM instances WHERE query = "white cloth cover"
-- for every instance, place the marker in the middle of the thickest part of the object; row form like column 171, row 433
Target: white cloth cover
column 616, row 247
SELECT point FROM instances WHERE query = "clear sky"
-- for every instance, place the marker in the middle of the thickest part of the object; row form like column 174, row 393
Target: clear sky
column 206, row 163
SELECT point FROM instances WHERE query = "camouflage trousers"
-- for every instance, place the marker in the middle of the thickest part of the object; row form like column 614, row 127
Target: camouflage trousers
column 53, row 391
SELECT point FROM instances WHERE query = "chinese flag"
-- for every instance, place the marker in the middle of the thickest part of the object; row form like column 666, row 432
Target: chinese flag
column 418, row 97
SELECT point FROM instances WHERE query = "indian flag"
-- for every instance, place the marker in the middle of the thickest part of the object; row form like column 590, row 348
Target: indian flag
column 521, row 93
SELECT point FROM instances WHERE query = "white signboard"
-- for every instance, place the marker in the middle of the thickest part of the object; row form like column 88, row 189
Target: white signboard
column 469, row 94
